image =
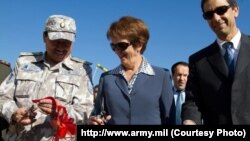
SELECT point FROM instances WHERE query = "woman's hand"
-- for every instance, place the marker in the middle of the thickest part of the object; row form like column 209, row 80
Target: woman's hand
column 96, row 120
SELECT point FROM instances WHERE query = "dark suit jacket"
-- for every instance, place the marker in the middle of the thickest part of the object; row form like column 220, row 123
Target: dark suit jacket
column 150, row 102
column 211, row 94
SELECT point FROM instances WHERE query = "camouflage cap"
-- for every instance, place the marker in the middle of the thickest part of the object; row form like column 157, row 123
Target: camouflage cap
column 61, row 27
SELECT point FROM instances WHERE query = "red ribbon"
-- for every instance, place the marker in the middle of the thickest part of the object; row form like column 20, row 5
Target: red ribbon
column 60, row 121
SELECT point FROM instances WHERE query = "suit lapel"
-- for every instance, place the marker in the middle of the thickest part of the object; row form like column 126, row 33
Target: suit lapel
column 121, row 83
column 243, row 56
column 139, row 83
column 216, row 60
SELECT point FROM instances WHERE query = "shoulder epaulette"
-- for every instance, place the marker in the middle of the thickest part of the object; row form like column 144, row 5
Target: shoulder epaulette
column 81, row 61
column 31, row 53
column 27, row 57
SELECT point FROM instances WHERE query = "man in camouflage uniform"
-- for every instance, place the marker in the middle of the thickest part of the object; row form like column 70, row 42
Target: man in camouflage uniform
column 52, row 73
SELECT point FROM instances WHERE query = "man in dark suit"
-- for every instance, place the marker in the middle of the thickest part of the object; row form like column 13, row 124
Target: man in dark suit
column 180, row 72
column 218, row 91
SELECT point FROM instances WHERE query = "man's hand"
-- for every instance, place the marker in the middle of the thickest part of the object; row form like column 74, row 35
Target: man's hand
column 47, row 106
column 23, row 116
column 189, row 122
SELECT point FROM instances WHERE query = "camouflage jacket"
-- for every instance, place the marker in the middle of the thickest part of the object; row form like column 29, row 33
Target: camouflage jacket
column 32, row 78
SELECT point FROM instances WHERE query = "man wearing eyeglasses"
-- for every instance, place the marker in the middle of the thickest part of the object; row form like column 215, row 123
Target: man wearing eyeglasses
column 218, row 88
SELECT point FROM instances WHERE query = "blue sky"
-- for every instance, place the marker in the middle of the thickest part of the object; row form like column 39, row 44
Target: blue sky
column 177, row 28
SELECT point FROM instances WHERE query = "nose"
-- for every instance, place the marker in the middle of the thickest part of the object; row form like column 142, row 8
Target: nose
column 216, row 17
column 183, row 77
column 62, row 43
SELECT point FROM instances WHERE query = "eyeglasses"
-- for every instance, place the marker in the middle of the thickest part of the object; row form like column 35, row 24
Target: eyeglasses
column 121, row 46
column 219, row 11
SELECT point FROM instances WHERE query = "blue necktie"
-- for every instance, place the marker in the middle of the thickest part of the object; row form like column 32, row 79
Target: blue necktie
column 180, row 100
column 229, row 57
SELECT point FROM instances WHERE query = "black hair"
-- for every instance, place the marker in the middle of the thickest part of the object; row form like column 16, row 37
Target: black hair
column 232, row 3
column 176, row 64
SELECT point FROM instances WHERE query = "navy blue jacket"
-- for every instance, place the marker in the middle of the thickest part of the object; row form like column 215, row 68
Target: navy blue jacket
column 151, row 101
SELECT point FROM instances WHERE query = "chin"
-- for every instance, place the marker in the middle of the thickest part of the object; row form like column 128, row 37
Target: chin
column 124, row 62
column 59, row 60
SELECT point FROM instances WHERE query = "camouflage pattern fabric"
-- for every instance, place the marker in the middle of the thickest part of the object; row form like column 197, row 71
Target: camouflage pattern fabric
column 61, row 27
column 33, row 78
